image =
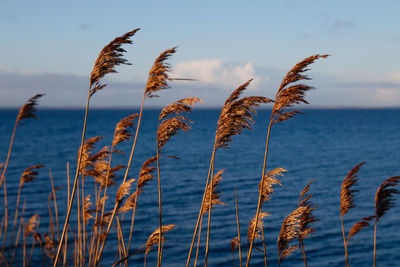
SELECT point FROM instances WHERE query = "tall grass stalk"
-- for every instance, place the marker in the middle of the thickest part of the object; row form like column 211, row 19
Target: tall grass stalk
column 109, row 57
column 288, row 94
column 238, row 228
column 157, row 80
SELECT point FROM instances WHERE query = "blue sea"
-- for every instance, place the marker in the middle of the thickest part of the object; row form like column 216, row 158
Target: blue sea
column 322, row 145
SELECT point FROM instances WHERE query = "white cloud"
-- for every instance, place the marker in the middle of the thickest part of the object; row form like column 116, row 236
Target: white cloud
column 389, row 96
column 219, row 73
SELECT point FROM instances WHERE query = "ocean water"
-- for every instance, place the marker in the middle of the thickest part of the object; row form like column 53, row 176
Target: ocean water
column 322, row 145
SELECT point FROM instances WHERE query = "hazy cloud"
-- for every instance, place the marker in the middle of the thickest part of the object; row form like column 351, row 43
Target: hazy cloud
column 219, row 73
column 216, row 81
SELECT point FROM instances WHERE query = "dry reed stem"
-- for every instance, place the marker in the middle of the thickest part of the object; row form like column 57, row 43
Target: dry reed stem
column 234, row 244
column 53, row 190
column 238, row 228
column 108, row 59
column 306, row 219
column 289, row 93
column 145, row 175
column 28, row 110
column 27, row 176
column 236, row 114
column 157, row 80
column 347, row 200
column 384, row 201
column 384, row 197
column 168, row 127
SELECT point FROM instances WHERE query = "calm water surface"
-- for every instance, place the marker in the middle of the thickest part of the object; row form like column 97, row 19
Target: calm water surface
column 323, row 145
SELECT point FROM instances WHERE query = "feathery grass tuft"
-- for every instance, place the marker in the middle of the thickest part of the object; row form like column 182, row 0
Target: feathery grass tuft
column 269, row 181
column 215, row 193
column 28, row 110
column 108, row 59
column 258, row 227
column 158, row 74
column 236, row 115
column 346, row 192
column 289, row 231
column 122, row 132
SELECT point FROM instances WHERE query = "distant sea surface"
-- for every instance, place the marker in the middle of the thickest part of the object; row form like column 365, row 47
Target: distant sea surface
column 322, row 145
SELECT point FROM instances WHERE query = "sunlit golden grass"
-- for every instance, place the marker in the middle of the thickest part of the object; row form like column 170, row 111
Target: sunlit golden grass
column 83, row 244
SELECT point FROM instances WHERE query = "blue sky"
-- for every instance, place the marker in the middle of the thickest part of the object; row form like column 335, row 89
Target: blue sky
column 50, row 47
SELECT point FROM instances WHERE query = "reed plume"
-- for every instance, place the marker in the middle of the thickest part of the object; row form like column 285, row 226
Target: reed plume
column 236, row 114
column 215, row 198
column 28, row 175
column 28, row 110
column 269, row 181
column 257, row 224
column 234, row 245
column 123, row 190
column 290, row 92
column 155, row 237
column 122, row 130
column 107, row 60
column 384, row 201
column 170, row 124
column 358, row 226
column 158, row 74
column 289, row 231
column 306, row 219
column 157, row 80
column 145, row 175
column 347, row 200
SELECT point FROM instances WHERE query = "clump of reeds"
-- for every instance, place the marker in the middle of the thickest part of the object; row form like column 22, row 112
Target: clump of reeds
column 290, row 93
column 236, row 114
column 170, row 124
column 107, row 60
column 157, row 80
